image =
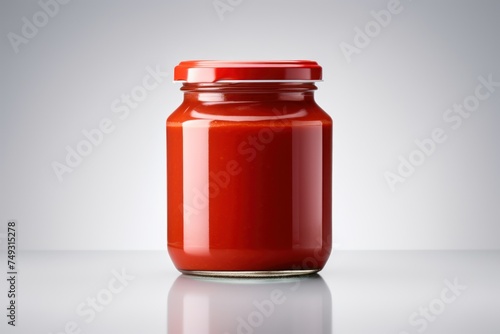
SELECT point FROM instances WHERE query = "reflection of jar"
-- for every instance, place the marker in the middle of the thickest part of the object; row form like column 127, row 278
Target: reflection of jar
column 249, row 170
column 293, row 305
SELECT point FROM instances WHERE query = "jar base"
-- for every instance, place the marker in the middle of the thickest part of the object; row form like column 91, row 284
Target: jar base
column 251, row 273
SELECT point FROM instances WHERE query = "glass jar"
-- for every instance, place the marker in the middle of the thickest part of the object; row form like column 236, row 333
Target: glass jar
column 249, row 170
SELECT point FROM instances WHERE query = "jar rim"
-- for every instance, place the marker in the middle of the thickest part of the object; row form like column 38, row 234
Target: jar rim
column 208, row 71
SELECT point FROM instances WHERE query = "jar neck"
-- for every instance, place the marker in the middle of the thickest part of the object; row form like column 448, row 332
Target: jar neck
column 249, row 91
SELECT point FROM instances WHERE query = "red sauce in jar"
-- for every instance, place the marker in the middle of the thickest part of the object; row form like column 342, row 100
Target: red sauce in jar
column 249, row 171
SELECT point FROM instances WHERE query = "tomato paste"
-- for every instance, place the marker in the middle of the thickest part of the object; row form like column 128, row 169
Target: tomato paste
column 249, row 170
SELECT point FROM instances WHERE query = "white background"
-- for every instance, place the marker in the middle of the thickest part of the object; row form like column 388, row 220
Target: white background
column 393, row 92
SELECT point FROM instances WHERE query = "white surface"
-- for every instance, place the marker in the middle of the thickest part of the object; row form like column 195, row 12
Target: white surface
column 358, row 292
column 395, row 91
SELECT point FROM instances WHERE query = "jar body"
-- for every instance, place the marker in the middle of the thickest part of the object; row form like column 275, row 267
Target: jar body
column 249, row 180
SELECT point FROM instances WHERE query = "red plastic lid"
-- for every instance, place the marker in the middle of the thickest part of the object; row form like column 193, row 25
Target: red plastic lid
column 268, row 70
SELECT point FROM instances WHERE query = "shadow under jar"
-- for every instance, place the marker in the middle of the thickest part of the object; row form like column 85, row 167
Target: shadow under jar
column 249, row 170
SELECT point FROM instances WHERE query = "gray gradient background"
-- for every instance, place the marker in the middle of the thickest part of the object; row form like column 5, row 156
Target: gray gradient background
column 394, row 92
